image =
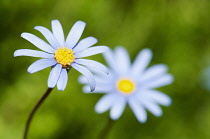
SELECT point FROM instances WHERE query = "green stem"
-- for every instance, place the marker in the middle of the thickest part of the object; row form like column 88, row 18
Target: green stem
column 46, row 94
column 107, row 129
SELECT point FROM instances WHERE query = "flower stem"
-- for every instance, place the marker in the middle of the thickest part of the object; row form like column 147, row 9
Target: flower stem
column 46, row 94
column 107, row 129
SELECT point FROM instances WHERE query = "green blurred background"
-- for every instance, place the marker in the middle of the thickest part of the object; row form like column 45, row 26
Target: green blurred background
column 178, row 32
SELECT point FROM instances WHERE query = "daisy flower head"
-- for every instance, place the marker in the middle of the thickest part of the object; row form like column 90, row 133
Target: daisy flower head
column 131, row 84
column 61, row 54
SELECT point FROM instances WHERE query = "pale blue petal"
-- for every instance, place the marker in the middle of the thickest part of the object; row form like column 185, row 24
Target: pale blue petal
column 91, row 51
column 118, row 108
column 138, row 109
column 105, row 103
column 58, row 32
column 122, row 60
column 98, row 72
column 154, row 72
column 48, row 35
column 158, row 97
column 38, row 42
column 41, row 64
column 92, row 63
column 103, row 80
column 158, row 82
column 141, row 62
column 54, row 75
column 151, row 106
column 63, row 79
column 87, row 74
column 75, row 34
column 32, row 53
column 98, row 89
column 85, row 43
column 82, row 80
column 110, row 59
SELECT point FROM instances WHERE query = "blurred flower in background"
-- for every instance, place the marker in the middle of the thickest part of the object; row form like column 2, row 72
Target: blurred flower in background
column 205, row 78
column 62, row 54
column 132, row 84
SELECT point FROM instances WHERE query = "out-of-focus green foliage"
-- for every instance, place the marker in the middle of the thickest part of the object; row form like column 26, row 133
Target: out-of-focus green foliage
column 177, row 31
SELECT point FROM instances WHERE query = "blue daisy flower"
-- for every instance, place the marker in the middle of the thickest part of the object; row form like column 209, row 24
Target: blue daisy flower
column 131, row 84
column 61, row 54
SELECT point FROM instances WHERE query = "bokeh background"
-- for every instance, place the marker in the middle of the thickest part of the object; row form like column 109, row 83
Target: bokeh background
column 177, row 31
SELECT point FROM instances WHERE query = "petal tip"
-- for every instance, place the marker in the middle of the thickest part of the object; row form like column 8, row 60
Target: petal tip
column 60, row 89
column 94, row 39
column 23, row 34
column 30, row 71
column 169, row 102
column 143, row 121
column 171, row 79
column 107, row 70
column 50, row 85
column 37, row 27
column 113, row 118
column 15, row 53
column 105, row 49
column 159, row 115
column 81, row 22
column 55, row 20
column 86, row 90
column 98, row 110
column 147, row 51
column 92, row 89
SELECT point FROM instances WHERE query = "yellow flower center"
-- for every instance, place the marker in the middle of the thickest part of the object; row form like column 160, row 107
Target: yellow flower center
column 126, row 86
column 64, row 56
